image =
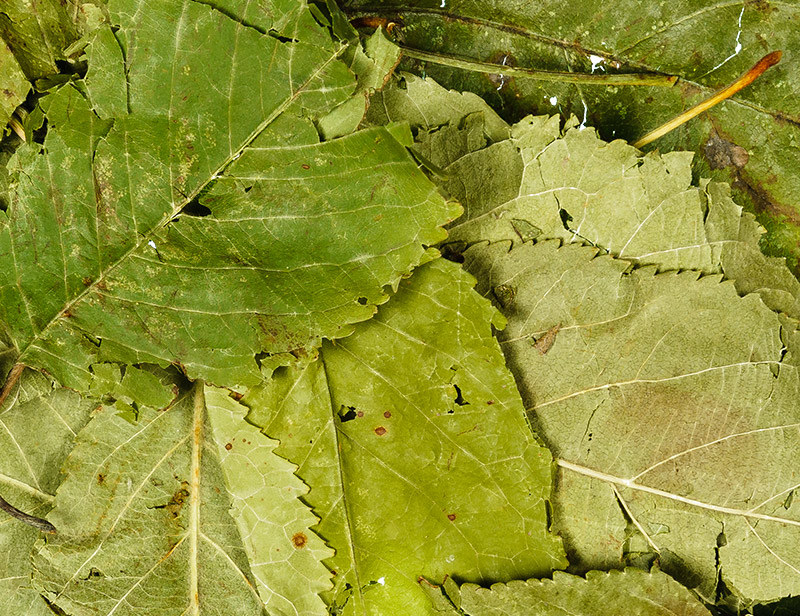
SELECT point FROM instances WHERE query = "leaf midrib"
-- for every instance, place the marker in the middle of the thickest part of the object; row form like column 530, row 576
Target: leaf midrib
column 629, row 483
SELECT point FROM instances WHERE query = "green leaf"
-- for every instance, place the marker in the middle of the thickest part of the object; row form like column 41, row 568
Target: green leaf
column 38, row 32
column 13, row 84
column 373, row 66
column 412, row 438
column 30, row 463
column 670, row 405
column 749, row 141
column 631, row 591
column 143, row 524
column 205, row 204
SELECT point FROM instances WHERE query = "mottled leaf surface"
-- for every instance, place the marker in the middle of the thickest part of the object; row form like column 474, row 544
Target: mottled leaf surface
column 13, row 84
column 670, row 405
column 203, row 202
column 30, row 471
column 38, row 32
column 145, row 526
column 412, row 438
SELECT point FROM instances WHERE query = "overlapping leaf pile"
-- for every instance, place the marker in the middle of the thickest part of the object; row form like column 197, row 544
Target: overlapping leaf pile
column 283, row 401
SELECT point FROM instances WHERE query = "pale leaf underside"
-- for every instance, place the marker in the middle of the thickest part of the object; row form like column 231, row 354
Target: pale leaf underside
column 667, row 401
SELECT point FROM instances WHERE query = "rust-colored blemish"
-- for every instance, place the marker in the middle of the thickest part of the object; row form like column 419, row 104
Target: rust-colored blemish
column 360, row 414
column 545, row 342
column 387, row 414
column 380, row 430
column 178, row 500
column 304, row 166
column 100, row 478
column 451, row 517
column 228, row 446
column 299, row 540
column 490, row 402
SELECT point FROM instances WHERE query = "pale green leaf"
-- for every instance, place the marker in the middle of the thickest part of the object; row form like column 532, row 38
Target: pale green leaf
column 632, row 592
column 670, row 405
column 37, row 425
column 206, row 203
column 285, row 556
column 426, row 105
column 545, row 182
column 411, row 436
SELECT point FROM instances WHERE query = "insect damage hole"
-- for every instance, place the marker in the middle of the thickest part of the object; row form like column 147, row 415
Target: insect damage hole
column 195, row 208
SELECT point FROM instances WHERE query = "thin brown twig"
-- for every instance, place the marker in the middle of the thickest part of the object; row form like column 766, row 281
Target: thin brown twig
column 11, row 380
column 39, row 523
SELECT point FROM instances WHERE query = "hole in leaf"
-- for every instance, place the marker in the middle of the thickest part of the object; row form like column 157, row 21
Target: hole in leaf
column 566, row 218
column 362, row 301
column 347, row 415
column 195, row 208
column 453, row 252
column 247, row 189
column 459, row 398
column 283, row 39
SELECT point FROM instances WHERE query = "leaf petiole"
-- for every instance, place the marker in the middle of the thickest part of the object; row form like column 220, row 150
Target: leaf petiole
column 600, row 79
column 771, row 59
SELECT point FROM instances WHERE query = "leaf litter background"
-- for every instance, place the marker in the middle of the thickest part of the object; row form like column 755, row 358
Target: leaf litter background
column 177, row 216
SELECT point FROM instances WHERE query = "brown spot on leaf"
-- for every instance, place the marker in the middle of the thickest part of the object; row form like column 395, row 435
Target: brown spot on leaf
column 451, row 517
column 545, row 342
column 228, row 446
column 177, row 501
column 299, row 540
column 100, row 478
column 360, row 414
column 380, row 430
column 721, row 153
column 387, row 414
column 304, row 166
